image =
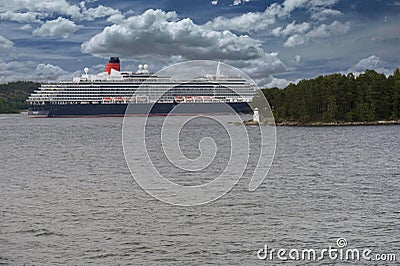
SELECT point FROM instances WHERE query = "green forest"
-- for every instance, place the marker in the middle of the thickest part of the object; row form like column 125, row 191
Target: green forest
column 13, row 96
column 338, row 98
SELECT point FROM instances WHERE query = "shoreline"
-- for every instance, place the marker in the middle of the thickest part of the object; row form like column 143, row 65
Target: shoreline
column 340, row 124
column 300, row 124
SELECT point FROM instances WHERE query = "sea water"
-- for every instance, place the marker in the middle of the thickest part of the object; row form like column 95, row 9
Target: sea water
column 67, row 197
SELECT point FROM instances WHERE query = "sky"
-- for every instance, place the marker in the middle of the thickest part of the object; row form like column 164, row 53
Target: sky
column 274, row 42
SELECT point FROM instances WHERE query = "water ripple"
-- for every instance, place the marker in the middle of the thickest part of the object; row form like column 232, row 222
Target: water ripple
column 67, row 198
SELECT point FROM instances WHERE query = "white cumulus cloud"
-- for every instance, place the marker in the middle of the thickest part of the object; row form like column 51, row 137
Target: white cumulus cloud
column 291, row 29
column 238, row 2
column 272, row 82
column 157, row 33
column 116, row 18
column 276, row 82
column 39, row 8
column 5, row 43
column 336, row 28
column 297, row 58
column 49, row 72
column 256, row 21
column 59, row 27
column 333, row 29
column 251, row 21
column 100, row 11
column 26, row 17
column 26, row 27
column 294, row 40
column 36, row 11
column 323, row 14
column 371, row 62
column 17, row 70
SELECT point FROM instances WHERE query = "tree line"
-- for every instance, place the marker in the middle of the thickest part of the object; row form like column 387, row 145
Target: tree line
column 338, row 98
column 13, row 96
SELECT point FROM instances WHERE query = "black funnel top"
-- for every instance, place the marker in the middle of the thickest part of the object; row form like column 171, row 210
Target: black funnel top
column 114, row 60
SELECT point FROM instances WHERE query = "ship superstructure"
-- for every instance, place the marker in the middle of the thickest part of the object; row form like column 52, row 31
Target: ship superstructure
column 110, row 92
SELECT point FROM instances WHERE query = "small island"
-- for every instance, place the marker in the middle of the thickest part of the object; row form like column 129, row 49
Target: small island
column 338, row 100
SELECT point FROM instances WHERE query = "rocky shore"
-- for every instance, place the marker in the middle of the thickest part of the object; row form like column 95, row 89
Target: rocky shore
column 321, row 124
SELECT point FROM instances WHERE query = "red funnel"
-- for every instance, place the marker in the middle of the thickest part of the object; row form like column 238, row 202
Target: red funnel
column 112, row 64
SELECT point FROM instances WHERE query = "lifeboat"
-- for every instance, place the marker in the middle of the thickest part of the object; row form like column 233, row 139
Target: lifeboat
column 179, row 99
column 107, row 99
column 142, row 99
column 207, row 98
column 118, row 99
column 189, row 98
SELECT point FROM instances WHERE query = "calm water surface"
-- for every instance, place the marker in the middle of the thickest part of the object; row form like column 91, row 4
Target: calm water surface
column 67, row 197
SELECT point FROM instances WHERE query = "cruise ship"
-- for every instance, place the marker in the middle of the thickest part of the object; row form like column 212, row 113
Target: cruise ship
column 118, row 93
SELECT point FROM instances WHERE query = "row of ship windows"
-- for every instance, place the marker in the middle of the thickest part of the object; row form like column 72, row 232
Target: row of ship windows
column 146, row 89
column 147, row 84
column 146, row 92
column 161, row 83
column 204, row 92
column 153, row 96
column 154, row 93
column 100, row 98
column 128, row 97
column 140, row 82
column 65, row 101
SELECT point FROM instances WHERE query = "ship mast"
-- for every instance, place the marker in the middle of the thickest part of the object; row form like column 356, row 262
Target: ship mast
column 218, row 73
